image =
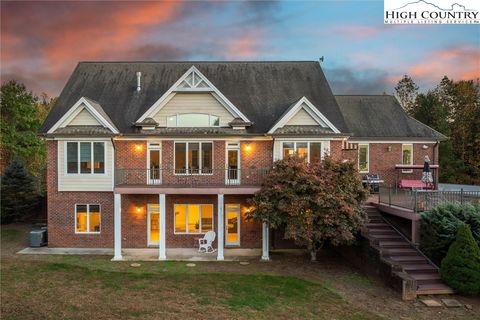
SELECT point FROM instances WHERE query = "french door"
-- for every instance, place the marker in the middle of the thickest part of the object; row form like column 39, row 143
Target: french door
column 232, row 224
column 153, row 171
column 153, row 224
column 233, row 164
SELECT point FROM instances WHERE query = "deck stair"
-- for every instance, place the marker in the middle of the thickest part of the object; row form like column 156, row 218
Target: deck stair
column 394, row 246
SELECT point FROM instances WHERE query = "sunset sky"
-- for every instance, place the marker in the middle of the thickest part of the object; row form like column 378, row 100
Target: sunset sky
column 41, row 42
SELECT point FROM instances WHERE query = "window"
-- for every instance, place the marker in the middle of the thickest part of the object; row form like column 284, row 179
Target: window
column 193, row 218
column 85, row 157
column 193, row 157
column 87, row 218
column 363, row 158
column 309, row 151
column 407, row 156
column 193, row 120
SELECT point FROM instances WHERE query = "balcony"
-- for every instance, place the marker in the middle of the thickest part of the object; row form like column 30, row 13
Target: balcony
column 190, row 178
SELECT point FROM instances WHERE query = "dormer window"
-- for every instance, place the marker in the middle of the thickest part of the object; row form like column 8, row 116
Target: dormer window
column 193, row 120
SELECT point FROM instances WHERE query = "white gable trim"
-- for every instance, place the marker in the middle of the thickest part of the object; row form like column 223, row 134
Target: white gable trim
column 76, row 109
column 193, row 87
column 310, row 109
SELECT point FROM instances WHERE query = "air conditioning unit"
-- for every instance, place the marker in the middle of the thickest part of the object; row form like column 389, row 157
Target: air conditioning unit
column 38, row 237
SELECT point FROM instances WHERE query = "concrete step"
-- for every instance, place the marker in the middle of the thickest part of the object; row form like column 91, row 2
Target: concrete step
column 394, row 244
column 408, row 259
column 400, row 252
column 434, row 288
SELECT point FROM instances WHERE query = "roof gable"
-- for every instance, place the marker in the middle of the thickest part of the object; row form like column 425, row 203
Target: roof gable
column 192, row 81
column 305, row 106
column 85, row 112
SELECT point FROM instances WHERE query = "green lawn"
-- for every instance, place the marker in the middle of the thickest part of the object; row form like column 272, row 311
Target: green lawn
column 79, row 287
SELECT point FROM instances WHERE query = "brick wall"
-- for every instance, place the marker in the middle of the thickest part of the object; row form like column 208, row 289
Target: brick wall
column 61, row 211
column 255, row 156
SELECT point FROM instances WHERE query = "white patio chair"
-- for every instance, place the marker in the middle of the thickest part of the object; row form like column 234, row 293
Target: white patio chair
column 206, row 242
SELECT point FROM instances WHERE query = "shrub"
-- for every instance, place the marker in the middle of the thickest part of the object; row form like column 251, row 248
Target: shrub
column 461, row 267
column 440, row 225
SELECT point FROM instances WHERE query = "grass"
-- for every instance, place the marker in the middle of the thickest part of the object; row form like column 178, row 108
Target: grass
column 79, row 287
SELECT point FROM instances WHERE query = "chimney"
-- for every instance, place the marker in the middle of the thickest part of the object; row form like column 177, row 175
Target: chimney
column 139, row 87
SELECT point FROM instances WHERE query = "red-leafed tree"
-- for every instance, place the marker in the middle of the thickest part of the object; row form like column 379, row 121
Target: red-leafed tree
column 316, row 203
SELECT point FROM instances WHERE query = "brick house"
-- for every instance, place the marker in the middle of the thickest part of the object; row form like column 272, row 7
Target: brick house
column 155, row 154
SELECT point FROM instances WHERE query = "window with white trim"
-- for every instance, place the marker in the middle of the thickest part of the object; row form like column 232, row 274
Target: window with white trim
column 309, row 151
column 193, row 120
column 87, row 218
column 85, row 157
column 407, row 156
column 193, row 218
column 363, row 158
column 193, row 157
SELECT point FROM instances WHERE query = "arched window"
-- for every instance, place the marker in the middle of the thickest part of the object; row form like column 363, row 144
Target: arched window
column 193, row 120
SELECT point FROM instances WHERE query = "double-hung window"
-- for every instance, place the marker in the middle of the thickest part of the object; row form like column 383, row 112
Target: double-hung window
column 363, row 158
column 193, row 218
column 193, row 157
column 87, row 218
column 407, row 156
column 85, row 157
column 309, row 151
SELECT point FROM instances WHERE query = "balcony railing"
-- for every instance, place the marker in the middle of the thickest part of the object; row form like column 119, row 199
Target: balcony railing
column 424, row 200
column 170, row 177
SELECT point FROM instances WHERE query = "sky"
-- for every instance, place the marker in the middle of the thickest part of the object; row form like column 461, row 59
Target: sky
column 41, row 42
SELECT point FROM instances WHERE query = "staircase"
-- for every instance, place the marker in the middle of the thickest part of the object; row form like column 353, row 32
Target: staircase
column 397, row 248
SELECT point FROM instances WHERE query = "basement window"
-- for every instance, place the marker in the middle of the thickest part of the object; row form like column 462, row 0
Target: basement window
column 87, row 218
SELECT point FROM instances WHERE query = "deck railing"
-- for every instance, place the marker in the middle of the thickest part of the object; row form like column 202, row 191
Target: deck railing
column 190, row 177
column 424, row 200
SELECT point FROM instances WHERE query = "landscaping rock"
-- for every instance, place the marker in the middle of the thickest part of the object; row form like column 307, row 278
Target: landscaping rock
column 190, row 265
column 431, row 303
column 135, row 265
column 244, row 263
column 469, row 306
column 451, row 303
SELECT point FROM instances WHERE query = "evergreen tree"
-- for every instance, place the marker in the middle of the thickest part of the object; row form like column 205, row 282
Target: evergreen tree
column 18, row 192
column 461, row 267
column 406, row 91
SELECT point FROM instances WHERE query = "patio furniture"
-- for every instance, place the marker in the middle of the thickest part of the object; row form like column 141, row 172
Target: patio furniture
column 372, row 182
column 206, row 242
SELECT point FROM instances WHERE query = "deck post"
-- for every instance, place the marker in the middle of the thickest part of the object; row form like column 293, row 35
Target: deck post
column 221, row 226
column 161, row 248
column 117, row 202
column 265, row 241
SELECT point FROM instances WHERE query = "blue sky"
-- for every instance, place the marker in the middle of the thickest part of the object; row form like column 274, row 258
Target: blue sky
column 42, row 41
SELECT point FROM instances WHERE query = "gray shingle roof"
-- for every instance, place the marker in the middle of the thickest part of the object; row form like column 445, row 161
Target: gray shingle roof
column 260, row 90
column 100, row 110
column 192, row 131
column 303, row 130
column 381, row 116
column 84, row 131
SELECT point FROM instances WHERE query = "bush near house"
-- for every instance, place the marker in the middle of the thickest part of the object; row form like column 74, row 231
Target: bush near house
column 18, row 196
column 461, row 267
column 440, row 225
column 316, row 203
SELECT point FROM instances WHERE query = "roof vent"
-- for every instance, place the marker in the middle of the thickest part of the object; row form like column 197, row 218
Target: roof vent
column 139, row 87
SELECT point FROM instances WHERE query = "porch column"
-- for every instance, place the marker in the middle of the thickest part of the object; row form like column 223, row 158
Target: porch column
column 221, row 227
column 117, row 203
column 265, row 241
column 162, row 252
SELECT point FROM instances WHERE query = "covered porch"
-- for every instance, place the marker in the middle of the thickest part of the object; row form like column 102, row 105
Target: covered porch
column 174, row 244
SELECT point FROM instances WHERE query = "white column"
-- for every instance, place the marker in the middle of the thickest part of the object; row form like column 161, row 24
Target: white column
column 265, row 241
column 162, row 252
column 117, row 202
column 220, row 227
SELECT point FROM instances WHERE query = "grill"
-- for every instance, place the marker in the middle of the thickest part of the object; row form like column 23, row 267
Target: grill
column 372, row 182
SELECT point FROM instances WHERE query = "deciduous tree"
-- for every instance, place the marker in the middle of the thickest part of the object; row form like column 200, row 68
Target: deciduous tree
column 316, row 203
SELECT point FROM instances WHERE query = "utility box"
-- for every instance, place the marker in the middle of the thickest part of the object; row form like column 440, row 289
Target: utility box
column 38, row 237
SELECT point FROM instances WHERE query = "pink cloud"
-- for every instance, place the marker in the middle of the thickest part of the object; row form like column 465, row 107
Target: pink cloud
column 246, row 46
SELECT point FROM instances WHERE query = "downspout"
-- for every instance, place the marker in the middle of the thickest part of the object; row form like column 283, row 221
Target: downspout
column 435, row 149
column 114, row 169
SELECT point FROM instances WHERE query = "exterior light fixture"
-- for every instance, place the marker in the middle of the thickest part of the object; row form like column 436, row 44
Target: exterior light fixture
column 138, row 210
column 424, row 147
column 138, row 147
column 248, row 148
column 389, row 148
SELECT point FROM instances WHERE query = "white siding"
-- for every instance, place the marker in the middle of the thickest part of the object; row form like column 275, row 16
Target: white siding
column 85, row 182
column 83, row 118
column 302, row 118
column 193, row 103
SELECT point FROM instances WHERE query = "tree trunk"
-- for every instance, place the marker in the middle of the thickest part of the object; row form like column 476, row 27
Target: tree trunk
column 313, row 255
